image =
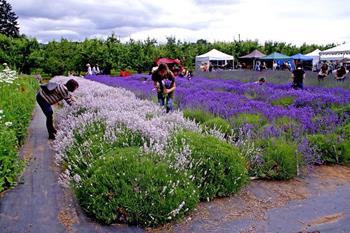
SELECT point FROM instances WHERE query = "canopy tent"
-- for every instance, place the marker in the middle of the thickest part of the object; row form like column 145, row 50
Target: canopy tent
column 315, row 56
column 337, row 53
column 276, row 56
column 301, row 57
column 253, row 55
column 212, row 55
column 306, row 61
column 345, row 60
column 279, row 58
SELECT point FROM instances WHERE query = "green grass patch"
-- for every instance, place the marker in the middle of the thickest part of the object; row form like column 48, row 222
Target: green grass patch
column 285, row 101
column 197, row 115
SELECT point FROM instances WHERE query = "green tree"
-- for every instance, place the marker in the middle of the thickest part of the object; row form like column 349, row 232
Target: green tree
column 8, row 20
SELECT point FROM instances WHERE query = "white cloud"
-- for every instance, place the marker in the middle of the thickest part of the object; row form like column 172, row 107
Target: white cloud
column 294, row 22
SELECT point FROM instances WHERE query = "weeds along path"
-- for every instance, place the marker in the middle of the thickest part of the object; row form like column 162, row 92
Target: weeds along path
column 39, row 204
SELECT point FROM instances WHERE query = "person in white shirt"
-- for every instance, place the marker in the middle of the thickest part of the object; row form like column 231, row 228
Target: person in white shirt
column 89, row 71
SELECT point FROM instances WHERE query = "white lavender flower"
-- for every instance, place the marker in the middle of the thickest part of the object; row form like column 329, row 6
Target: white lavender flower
column 8, row 124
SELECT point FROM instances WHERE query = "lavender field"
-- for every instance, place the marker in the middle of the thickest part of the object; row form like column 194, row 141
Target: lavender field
column 130, row 162
column 314, row 119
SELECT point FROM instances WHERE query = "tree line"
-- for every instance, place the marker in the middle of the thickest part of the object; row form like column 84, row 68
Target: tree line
column 28, row 56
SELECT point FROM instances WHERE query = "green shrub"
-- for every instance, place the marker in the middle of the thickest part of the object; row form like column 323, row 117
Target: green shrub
column 96, row 145
column 344, row 131
column 197, row 115
column 130, row 187
column 341, row 109
column 17, row 101
column 279, row 159
column 287, row 126
column 331, row 148
column 217, row 168
column 250, row 94
column 220, row 124
column 285, row 101
column 248, row 118
column 10, row 165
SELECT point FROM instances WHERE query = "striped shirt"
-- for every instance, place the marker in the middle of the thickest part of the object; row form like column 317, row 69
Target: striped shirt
column 61, row 92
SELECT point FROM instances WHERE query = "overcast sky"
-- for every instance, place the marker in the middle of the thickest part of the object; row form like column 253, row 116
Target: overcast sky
column 294, row 21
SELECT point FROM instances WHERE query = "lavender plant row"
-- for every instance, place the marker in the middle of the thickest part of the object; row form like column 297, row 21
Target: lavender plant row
column 116, row 107
column 310, row 107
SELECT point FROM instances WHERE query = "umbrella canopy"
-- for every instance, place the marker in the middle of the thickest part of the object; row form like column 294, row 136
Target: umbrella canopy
column 301, row 57
column 167, row 61
column 275, row 56
column 255, row 54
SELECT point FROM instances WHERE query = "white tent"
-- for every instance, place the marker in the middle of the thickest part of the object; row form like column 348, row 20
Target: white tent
column 337, row 53
column 315, row 56
column 213, row 55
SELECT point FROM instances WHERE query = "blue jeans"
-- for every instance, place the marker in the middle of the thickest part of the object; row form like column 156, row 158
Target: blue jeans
column 46, row 107
column 169, row 101
column 297, row 85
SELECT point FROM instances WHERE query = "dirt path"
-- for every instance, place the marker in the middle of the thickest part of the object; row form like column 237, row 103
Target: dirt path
column 318, row 202
column 39, row 204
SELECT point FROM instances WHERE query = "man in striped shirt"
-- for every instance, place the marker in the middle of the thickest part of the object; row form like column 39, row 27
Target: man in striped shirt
column 53, row 93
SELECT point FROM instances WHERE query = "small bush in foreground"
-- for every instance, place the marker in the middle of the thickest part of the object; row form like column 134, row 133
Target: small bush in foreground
column 217, row 168
column 279, row 160
column 331, row 148
column 130, row 187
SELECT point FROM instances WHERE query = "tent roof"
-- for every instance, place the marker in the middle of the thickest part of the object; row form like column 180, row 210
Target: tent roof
column 167, row 61
column 300, row 56
column 275, row 56
column 340, row 49
column 314, row 53
column 215, row 55
column 255, row 54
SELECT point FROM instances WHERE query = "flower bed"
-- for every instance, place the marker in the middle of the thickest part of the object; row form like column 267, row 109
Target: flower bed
column 17, row 101
column 130, row 162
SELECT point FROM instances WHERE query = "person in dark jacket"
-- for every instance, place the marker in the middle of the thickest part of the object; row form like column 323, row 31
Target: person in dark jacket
column 298, row 76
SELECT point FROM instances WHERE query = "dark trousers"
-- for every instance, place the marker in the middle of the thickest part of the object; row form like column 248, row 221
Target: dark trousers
column 169, row 101
column 46, row 107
